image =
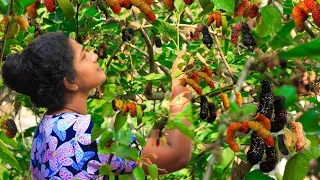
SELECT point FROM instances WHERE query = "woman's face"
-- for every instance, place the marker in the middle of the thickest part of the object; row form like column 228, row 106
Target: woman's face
column 88, row 72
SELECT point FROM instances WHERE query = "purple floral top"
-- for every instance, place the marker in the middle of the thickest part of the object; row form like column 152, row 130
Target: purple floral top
column 61, row 149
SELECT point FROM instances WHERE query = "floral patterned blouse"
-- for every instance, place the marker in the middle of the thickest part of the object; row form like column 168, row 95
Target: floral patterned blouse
column 62, row 149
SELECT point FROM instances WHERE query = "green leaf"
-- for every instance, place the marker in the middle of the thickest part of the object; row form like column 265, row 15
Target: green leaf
column 271, row 21
column 120, row 121
column 251, row 108
column 8, row 157
column 3, row 7
column 183, row 128
column 105, row 169
column 180, row 5
column 97, row 119
column 297, row 167
column 90, row 12
column 106, row 137
column 165, row 28
column 108, row 95
column 107, row 109
column 155, row 77
column 7, row 140
column 308, row 49
column 124, row 177
column 96, row 132
column 227, row 5
column 310, row 122
column 283, row 37
column 287, row 7
column 257, row 174
column 204, row 3
column 67, row 9
column 139, row 114
column 289, row 92
column 313, row 152
column 122, row 151
column 205, row 11
column 140, row 139
column 26, row 3
column 124, row 137
column 153, row 171
column 139, row 173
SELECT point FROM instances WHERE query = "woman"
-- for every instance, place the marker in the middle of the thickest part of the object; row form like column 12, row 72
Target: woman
column 57, row 73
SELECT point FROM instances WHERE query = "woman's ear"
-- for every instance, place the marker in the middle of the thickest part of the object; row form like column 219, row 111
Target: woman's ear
column 69, row 85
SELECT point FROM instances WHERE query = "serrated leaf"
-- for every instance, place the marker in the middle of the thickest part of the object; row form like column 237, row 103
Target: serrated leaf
column 107, row 109
column 119, row 122
column 153, row 171
column 105, row 169
column 124, row 137
column 66, row 8
column 310, row 122
column 139, row 173
column 8, row 141
column 165, row 28
column 289, row 92
column 297, row 167
column 139, row 114
column 308, row 49
column 108, row 95
column 257, row 174
column 227, row 5
column 8, row 157
column 271, row 21
column 120, row 150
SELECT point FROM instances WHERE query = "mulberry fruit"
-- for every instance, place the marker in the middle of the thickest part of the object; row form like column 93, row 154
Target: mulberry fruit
column 263, row 120
column 280, row 114
column 218, row 19
column 125, row 3
column 32, row 9
column 197, row 33
column 232, row 129
column 203, row 107
column 149, row 1
column 132, row 107
column 254, row 10
column 238, row 98
column 11, row 128
column 304, row 9
column 235, row 33
column 290, row 139
column 212, row 113
column 169, row 4
column 114, row 107
column 316, row 15
column 311, row 4
column 145, row 8
column 270, row 161
column 207, row 71
column 211, row 19
column 195, row 77
column 256, row 151
column 116, row 8
column 125, row 109
column 22, row 23
column 245, row 126
column 134, row 2
column 158, row 42
column 266, row 99
column 262, row 132
column 188, row 2
column 151, row 16
column 242, row 7
column 299, row 134
column 50, row 5
column 298, row 18
column 206, row 78
column 192, row 83
column 247, row 38
column 282, row 146
column 207, row 40
column 225, row 101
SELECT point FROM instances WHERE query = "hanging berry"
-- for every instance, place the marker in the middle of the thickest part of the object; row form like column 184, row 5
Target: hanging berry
column 203, row 107
column 10, row 126
column 281, row 145
column 206, row 70
column 235, row 33
column 256, row 150
column 238, row 98
column 298, row 18
column 263, row 120
column 169, row 4
column 192, row 83
column 280, row 114
column 242, row 7
column 299, row 134
column 212, row 113
column 206, row 78
column 225, row 101
column 194, row 76
column 232, row 129
column 50, row 5
column 270, row 161
column 197, row 33
column 254, row 10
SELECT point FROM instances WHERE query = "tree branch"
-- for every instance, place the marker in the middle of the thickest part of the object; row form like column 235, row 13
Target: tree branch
column 112, row 56
column 6, row 31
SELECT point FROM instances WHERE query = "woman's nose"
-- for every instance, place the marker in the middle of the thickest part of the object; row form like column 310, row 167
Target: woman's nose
column 94, row 56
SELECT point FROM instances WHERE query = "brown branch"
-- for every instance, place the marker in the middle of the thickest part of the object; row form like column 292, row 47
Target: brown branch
column 309, row 31
column 218, row 91
column 6, row 31
column 313, row 25
column 104, row 9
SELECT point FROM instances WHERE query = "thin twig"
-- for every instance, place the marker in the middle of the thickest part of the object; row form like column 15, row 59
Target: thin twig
column 77, row 21
column 313, row 25
column 222, row 55
column 138, row 49
column 207, row 173
column 112, row 56
column 309, row 31
column 6, row 31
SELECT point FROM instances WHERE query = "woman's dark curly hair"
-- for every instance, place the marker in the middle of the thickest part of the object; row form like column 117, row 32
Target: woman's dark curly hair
column 39, row 70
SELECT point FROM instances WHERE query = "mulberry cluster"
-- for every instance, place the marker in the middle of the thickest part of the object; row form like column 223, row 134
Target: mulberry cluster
column 50, row 5
column 300, row 13
column 192, row 83
column 262, row 132
column 281, row 145
column 207, row 39
column 256, row 150
column 214, row 17
column 263, row 120
column 238, row 98
column 203, row 107
column 247, row 38
column 206, row 70
column 102, row 50
column 212, row 113
column 127, row 34
column 266, row 99
column 280, row 114
column 169, row 4
column 235, row 33
column 270, row 161
column 126, row 108
column 225, row 101
column 10, row 126
column 206, row 78
column 241, row 8
column 22, row 23
column 126, row 3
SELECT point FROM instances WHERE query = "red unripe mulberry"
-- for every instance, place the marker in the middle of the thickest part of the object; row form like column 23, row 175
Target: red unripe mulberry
column 50, row 5
column 298, row 18
column 188, row 2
